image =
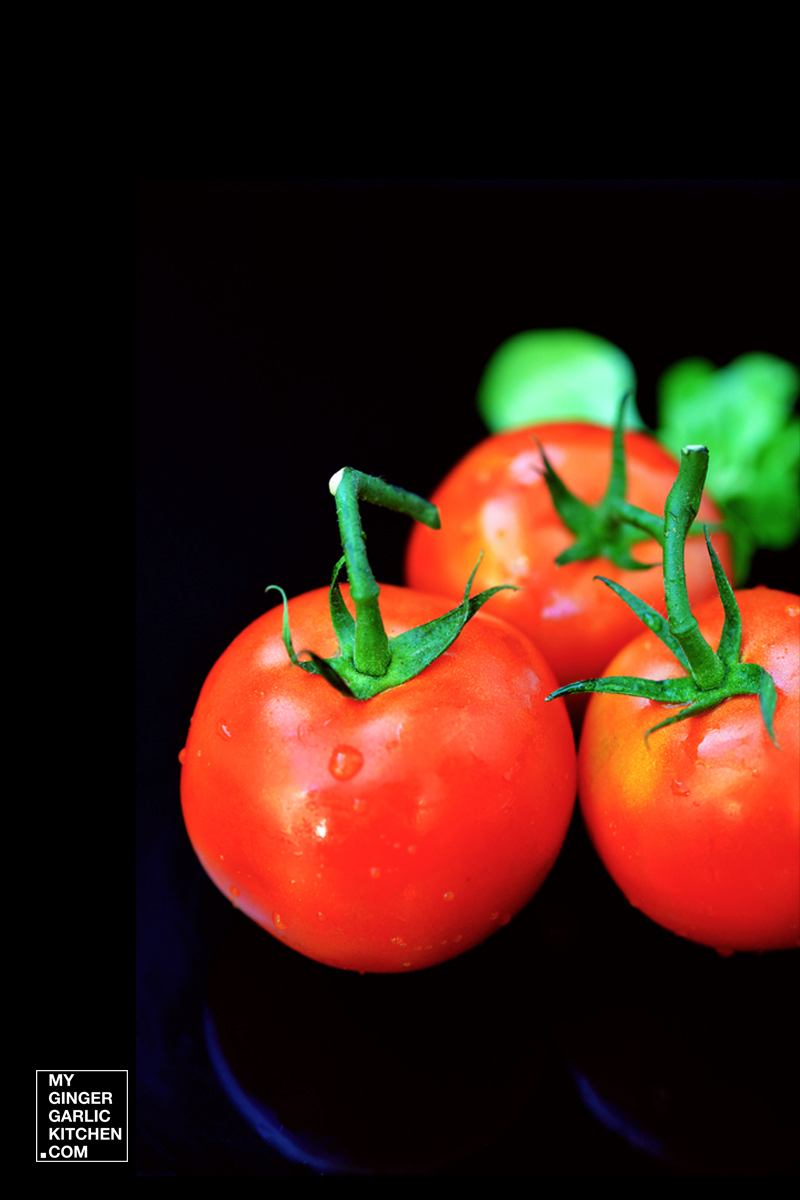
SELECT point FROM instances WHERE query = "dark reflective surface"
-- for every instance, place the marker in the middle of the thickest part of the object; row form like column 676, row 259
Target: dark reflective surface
column 373, row 1074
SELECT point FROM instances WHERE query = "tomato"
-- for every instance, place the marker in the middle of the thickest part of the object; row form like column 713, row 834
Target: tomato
column 699, row 824
column 389, row 834
column 496, row 501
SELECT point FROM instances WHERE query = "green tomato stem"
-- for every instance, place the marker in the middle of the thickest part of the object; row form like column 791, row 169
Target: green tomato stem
column 681, row 509
column 372, row 653
column 712, row 677
column 608, row 529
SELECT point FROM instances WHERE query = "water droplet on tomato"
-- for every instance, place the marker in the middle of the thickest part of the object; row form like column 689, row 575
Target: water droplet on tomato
column 234, row 890
column 679, row 789
column 345, row 762
column 223, row 730
column 182, row 755
column 278, row 921
column 448, row 896
column 375, row 872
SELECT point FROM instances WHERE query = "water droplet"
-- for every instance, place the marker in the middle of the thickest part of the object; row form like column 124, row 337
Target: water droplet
column 234, row 890
column 679, row 789
column 223, row 730
column 182, row 755
column 448, row 896
column 278, row 921
column 375, row 872
column 493, row 916
column 358, row 804
column 345, row 762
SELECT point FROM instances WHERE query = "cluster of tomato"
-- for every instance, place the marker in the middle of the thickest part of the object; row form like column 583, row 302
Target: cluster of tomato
column 392, row 833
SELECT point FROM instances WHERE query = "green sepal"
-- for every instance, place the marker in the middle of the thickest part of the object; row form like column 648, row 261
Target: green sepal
column 344, row 625
column 712, row 676
column 321, row 666
column 411, row 652
column 767, row 701
column 667, row 691
column 743, row 679
column 730, row 642
column 314, row 665
column 650, row 617
column 609, row 529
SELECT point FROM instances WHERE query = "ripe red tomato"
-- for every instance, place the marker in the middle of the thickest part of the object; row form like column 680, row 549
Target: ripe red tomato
column 496, row 501
column 388, row 834
column 700, row 824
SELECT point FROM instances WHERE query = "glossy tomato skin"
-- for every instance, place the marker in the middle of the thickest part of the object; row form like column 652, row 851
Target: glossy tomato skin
column 700, row 826
column 383, row 835
column 495, row 501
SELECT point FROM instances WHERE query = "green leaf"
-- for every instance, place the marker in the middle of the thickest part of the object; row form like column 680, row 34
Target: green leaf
column 556, row 375
column 773, row 508
column 744, row 414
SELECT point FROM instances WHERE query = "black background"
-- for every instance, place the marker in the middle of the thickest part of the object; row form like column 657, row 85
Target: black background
column 287, row 328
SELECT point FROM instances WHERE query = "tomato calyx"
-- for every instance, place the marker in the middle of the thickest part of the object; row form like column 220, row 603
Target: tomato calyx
column 608, row 529
column 368, row 661
column 712, row 676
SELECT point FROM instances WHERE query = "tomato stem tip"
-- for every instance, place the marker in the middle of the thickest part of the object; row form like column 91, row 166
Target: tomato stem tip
column 368, row 661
